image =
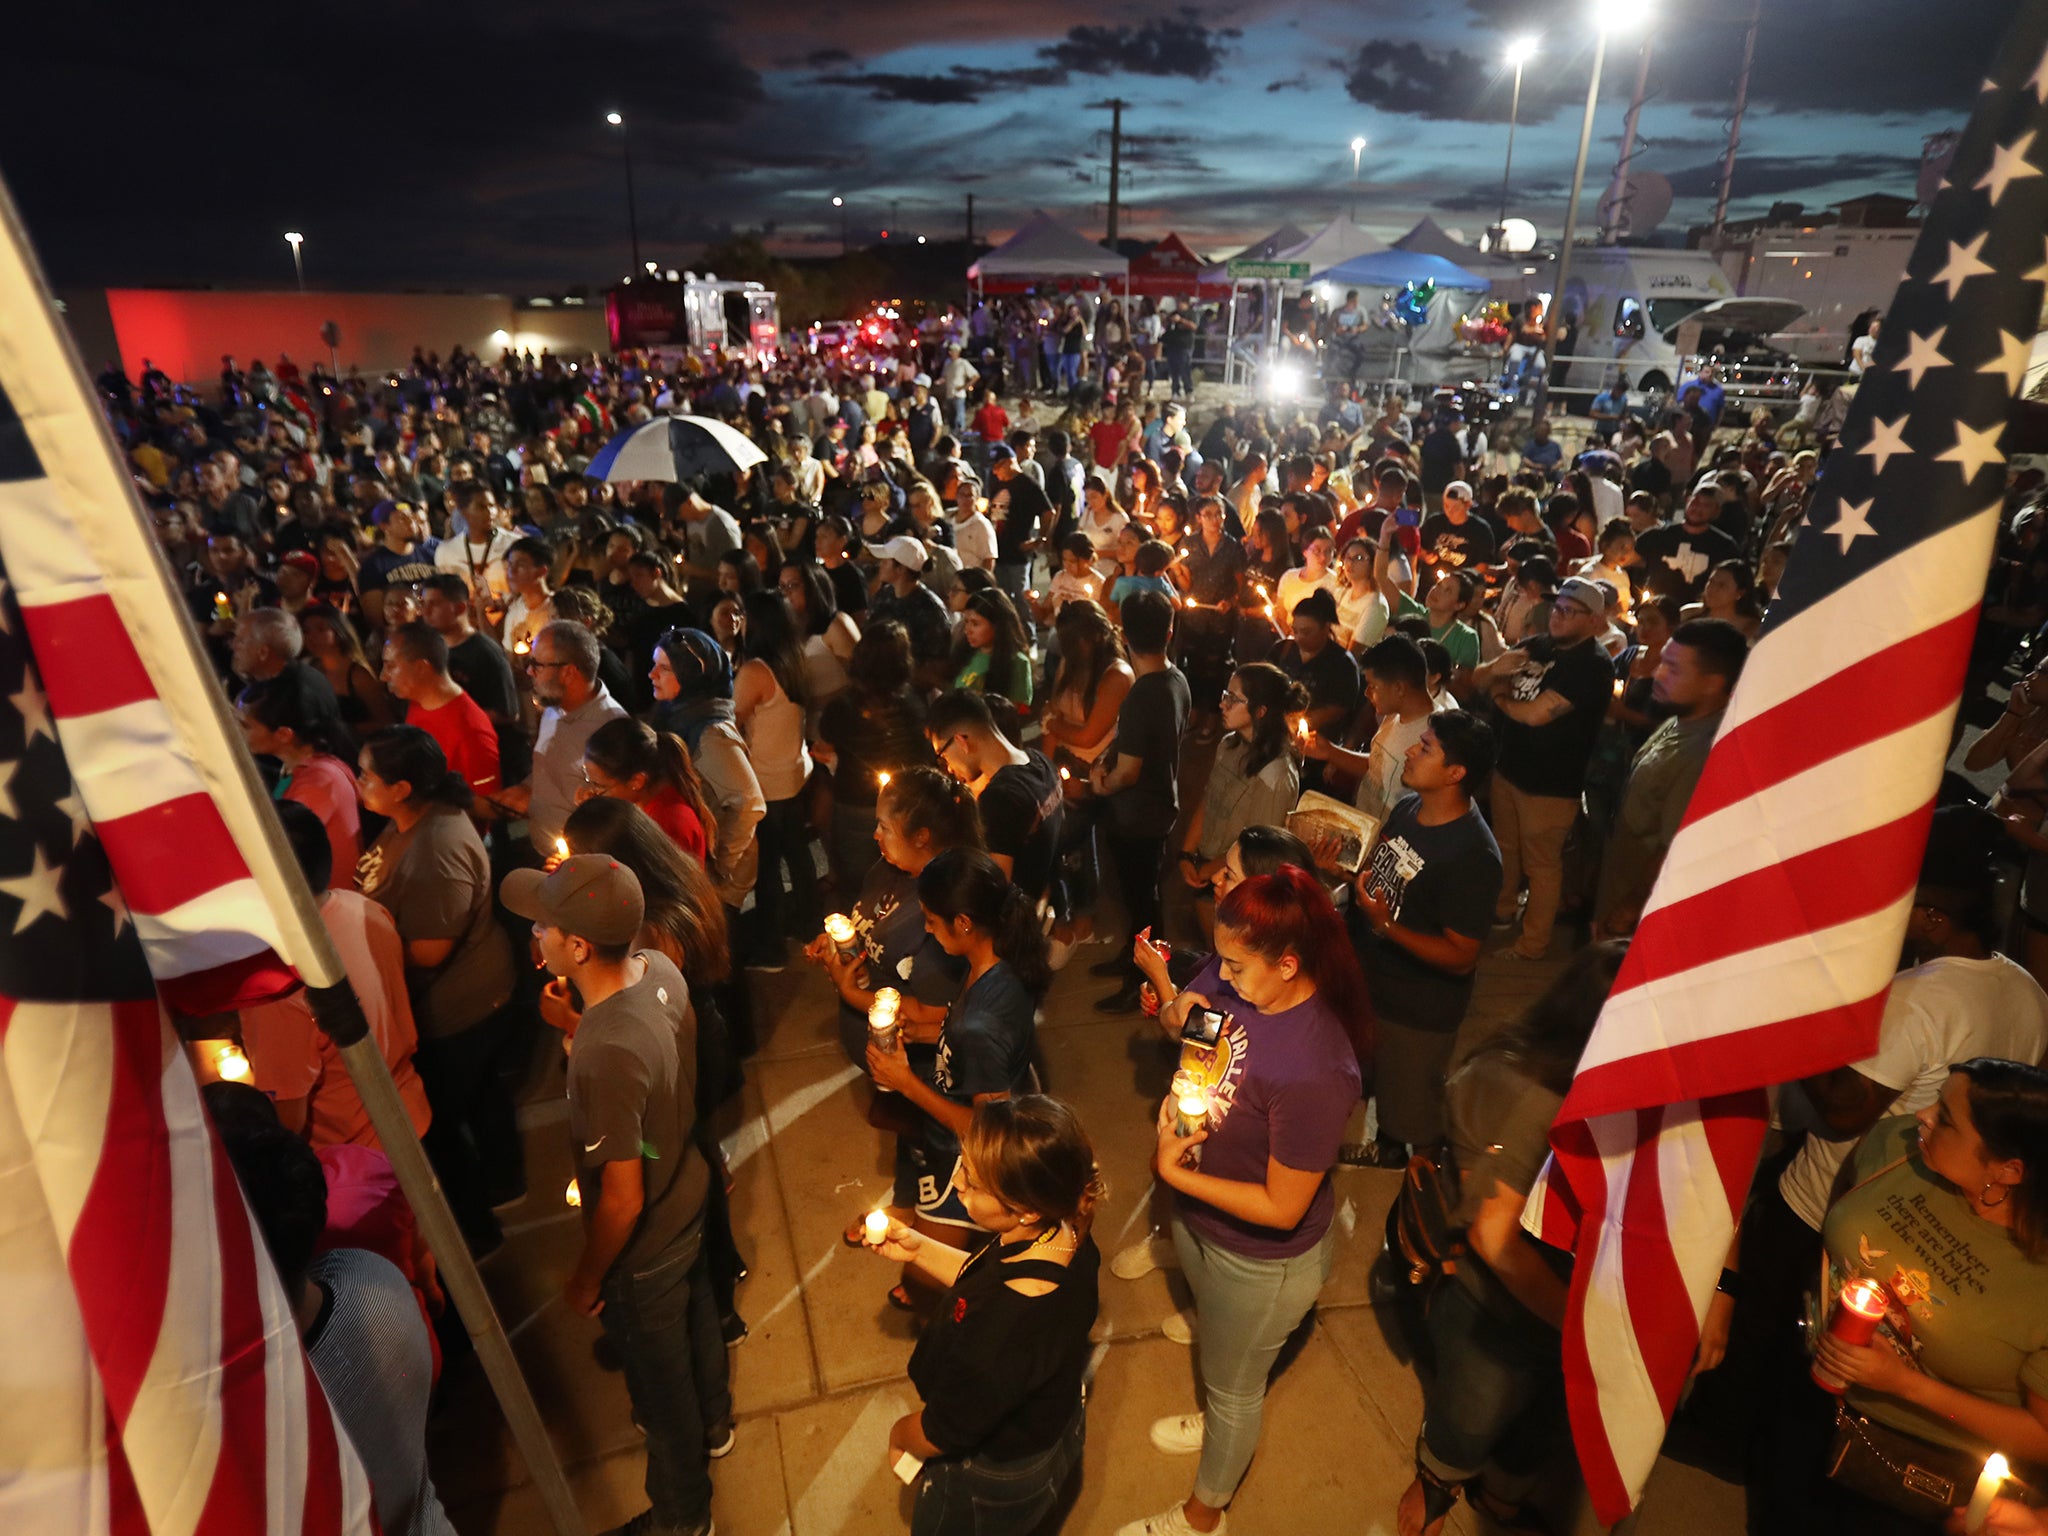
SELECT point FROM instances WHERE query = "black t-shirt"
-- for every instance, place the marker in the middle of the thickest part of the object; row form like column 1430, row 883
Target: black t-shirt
column 482, row 670
column 1148, row 727
column 1551, row 759
column 871, row 736
column 1442, row 454
column 923, row 617
column 1020, row 511
column 1330, row 676
column 1685, row 556
column 1021, row 809
column 1000, row 1372
column 1436, row 880
column 1452, row 546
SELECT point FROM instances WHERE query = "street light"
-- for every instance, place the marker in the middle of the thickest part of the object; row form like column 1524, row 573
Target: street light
column 1357, row 149
column 1608, row 16
column 294, row 239
column 618, row 121
column 1520, row 52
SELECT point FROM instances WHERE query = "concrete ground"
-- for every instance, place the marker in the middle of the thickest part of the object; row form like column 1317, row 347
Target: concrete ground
column 821, row 1376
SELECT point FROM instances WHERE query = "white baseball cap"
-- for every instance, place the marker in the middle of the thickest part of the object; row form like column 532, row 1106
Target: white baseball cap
column 903, row 549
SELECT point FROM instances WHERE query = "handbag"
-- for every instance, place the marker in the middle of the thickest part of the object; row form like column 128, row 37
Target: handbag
column 1423, row 1243
column 1913, row 1477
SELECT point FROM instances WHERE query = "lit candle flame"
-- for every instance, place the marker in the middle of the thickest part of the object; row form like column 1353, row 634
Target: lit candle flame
column 839, row 928
column 1191, row 603
column 561, row 847
column 882, row 779
column 520, row 647
column 1064, row 773
column 573, row 1195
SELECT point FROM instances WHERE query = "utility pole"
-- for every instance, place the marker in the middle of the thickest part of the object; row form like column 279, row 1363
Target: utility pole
column 1116, row 105
column 1756, row 16
column 970, row 218
column 1614, row 219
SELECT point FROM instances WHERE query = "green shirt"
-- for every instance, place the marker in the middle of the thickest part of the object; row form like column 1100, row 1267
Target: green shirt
column 1456, row 637
column 1964, row 1304
column 974, row 677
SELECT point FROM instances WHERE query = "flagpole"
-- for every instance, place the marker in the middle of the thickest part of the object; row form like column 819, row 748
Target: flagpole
column 60, row 415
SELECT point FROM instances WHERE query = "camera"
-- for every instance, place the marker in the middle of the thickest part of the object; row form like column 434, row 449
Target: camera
column 1203, row 1026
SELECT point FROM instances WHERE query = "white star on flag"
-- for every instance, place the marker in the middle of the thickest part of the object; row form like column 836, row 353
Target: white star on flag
column 2008, row 164
column 37, row 892
column 1854, row 522
column 1974, row 448
column 1963, row 264
column 112, row 900
column 34, row 710
column 2038, row 274
column 2039, row 80
column 1923, row 353
column 7, row 806
column 2016, row 352
column 81, row 824
column 1886, row 439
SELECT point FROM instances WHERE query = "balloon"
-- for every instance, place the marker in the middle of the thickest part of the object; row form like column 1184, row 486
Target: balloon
column 1412, row 303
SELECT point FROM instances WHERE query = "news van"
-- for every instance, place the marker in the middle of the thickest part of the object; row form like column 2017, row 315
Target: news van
column 1646, row 312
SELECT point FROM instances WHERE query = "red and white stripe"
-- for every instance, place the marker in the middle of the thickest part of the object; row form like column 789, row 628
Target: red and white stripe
column 1763, row 955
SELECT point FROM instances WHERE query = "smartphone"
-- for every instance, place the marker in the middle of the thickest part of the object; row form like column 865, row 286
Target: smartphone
column 1203, row 1026
column 1407, row 517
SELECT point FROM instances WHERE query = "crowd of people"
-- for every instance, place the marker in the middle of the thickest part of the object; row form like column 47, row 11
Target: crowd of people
column 1276, row 721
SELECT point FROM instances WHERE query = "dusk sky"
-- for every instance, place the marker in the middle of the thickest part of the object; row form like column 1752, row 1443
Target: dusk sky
column 464, row 146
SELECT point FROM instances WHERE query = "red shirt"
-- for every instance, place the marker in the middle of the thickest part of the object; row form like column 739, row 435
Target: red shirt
column 467, row 738
column 992, row 422
column 1108, row 438
column 673, row 815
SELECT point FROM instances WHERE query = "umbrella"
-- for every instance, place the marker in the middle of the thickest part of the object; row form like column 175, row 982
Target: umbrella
column 675, row 448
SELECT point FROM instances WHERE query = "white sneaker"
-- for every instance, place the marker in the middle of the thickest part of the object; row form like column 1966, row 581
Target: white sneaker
column 1141, row 1258
column 1173, row 1523
column 1178, row 1434
column 1179, row 1327
column 1058, row 953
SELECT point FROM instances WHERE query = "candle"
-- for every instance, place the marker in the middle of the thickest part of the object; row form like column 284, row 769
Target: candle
column 520, row 647
column 1191, row 603
column 231, row 1064
column 839, row 929
column 1854, row 1322
column 877, row 1224
column 1260, row 587
column 882, row 779
column 1269, row 610
column 561, row 847
column 1301, row 728
column 1620, row 683
column 1988, row 1485
column 222, row 608
column 1065, row 773
column 882, row 1028
column 1190, row 1105
column 573, row 1195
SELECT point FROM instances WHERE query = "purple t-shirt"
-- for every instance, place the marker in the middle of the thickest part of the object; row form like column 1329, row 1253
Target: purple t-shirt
column 1281, row 1085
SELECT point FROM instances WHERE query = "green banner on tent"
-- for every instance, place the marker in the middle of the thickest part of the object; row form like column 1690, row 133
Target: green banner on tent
column 1285, row 271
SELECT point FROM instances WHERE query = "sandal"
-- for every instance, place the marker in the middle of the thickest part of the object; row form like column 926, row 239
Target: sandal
column 1436, row 1499
column 1522, row 1518
column 901, row 1299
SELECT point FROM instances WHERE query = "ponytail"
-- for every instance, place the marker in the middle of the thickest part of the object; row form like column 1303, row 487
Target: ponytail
column 405, row 754
column 1271, row 696
column 932, row 801
column 965, row 882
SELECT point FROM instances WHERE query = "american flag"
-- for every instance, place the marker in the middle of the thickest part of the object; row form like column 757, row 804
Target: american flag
column 156, row 1379
column 1766, row 950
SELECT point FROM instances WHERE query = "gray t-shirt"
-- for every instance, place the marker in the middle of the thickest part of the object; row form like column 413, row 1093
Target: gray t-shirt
column 369, row 1347
column 633, row 1093
column 436, row 883
column 1500, row 1134
column 558, row 763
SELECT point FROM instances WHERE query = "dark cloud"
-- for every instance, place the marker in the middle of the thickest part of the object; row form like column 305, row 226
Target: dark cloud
column 1173, row 46
column 1774, row 175
column 1178, row 47
column 1291, row 83
column 1398, row 75
column 828, row 58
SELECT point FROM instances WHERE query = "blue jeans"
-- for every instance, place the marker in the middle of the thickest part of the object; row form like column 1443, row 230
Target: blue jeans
column 1494, row 1377
column 664, row 1322
column 1013, row 577
column 1070, row 370
column 1245, row 1308
column 967, row 1496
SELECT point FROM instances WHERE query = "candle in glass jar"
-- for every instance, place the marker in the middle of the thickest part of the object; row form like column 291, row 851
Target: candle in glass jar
column 1989, row 1482
column 1855, row 1321
column 231, row 1063
column 839, row 929
column 1190, row 1108
column 882, row 1027
column 877, row 1225
column 1620, row 685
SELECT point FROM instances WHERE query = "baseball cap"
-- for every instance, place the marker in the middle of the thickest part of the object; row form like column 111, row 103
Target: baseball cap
column 1461, row 489
column 923, row 378
column 1000, row 451
column 301, row 560
column 588, row 895
column 1586, row 593
column 903, row 549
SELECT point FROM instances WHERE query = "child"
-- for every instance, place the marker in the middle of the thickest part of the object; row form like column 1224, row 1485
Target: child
column 1075, row 578
column 1312, row 574
column 974, row 536
column 1154, row 556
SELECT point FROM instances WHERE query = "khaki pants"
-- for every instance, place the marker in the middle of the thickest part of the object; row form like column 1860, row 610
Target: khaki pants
column 1531, row 831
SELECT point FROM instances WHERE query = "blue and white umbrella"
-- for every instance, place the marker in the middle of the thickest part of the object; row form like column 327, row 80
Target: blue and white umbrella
column 675, row 448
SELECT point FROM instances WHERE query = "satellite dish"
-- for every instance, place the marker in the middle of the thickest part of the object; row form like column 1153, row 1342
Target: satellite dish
column 1455, row 233
column 1517, row 236
column 1649, row 201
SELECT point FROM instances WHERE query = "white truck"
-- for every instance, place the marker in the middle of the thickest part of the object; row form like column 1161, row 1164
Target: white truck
column 1647, row 312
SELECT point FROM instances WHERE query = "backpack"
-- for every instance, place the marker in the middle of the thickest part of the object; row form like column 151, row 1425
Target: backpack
column 1422, row 1244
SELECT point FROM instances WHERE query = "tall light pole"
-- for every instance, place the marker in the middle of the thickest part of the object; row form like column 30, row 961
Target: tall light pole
column 1520, row 52
column 1357, row 149
column 840, row 204
column 294, row 239
column 1608, row 16
column 618, row 121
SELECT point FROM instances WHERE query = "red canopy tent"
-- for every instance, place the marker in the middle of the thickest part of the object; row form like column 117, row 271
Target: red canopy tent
column 1171, row 268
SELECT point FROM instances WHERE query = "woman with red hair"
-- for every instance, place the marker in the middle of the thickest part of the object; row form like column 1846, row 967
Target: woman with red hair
column 1272, row 1029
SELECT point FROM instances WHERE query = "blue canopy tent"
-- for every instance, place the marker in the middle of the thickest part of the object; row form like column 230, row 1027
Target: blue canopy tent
column 1397, row 268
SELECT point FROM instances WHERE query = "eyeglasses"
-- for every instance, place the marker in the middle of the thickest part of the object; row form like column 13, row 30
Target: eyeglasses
column 1233, row 698
column 535, row 665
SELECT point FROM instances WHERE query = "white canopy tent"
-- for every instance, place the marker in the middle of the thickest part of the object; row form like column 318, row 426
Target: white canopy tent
column 1045, row 251
column 1259, row 250
column 1333, row 245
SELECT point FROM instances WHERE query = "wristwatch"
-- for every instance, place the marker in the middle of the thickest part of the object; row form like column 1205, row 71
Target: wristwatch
column 1730, row 1283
